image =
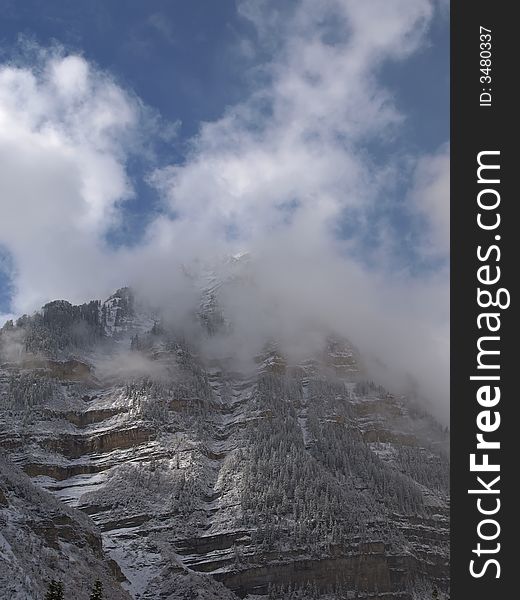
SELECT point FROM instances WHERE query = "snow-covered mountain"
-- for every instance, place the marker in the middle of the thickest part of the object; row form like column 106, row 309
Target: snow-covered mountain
column 134, row 458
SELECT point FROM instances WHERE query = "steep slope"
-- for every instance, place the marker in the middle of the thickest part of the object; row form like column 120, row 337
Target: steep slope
column 42, row 539
column 203, row 480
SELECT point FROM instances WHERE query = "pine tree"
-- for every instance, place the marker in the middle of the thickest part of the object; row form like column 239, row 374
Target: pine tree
column 97, row 591
column 54, row 591
column 134, row 344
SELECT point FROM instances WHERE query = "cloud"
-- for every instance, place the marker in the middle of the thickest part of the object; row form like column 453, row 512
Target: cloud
column 278, row 172
column 297, row 146
column 64, row 132
column 126, row 365
column 276, row 175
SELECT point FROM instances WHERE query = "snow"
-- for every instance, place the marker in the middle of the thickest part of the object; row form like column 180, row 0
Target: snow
column 71, row 490
column 170, row 490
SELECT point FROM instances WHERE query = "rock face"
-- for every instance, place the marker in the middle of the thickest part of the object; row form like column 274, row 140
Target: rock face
column 42, row 539
column 187, row 479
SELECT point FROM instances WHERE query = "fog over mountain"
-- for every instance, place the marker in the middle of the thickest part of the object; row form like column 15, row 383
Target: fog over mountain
column 292, row 175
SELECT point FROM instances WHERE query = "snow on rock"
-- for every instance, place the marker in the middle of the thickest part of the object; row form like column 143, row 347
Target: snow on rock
column 177, row 477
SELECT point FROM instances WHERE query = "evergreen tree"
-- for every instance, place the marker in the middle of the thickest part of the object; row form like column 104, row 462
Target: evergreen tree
column 54, row 591
column 134, row 344
column 97, row 591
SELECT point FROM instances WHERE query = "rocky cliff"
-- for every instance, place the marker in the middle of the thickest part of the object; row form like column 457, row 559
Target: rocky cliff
column 134, row 459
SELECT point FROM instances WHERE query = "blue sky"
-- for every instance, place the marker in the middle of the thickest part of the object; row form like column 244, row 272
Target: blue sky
column 188, row 62
column 183, row 58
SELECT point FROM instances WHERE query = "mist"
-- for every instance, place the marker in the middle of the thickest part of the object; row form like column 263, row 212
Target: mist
column 123, row 365
column 297, row 296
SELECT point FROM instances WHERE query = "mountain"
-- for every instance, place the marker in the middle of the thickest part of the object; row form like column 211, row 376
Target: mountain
column 133, row 457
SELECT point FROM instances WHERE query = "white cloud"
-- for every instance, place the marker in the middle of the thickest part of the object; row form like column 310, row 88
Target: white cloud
column 63, row 129
column 302, row 136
